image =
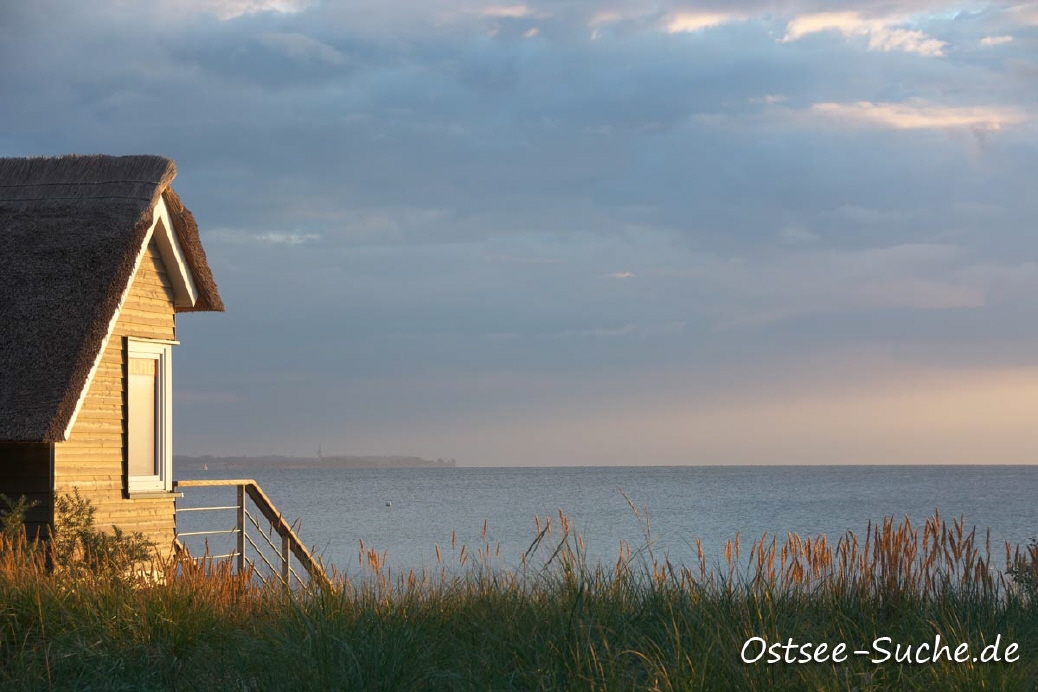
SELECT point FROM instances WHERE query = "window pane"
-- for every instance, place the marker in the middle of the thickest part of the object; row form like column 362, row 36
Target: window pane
column 143, row 387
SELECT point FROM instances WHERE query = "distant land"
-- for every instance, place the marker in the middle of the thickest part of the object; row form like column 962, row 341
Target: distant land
column 211, row 463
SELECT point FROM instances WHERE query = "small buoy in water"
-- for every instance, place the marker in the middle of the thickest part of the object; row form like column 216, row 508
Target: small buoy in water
column 389, row 504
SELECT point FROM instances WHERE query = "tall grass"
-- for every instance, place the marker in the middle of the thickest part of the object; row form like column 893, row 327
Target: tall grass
column 556, row 623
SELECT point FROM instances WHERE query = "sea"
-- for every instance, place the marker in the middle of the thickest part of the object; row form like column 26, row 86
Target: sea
column 409, row 515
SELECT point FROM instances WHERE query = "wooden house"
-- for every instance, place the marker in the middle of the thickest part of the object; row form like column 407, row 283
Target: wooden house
column 97, row 258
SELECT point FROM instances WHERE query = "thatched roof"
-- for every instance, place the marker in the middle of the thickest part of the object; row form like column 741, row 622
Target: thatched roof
column 71, row 229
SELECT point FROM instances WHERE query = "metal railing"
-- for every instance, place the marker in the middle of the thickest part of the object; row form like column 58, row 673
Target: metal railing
column 253, row 547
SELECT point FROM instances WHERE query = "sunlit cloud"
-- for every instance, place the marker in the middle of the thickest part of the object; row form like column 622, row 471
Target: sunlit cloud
column 1025, row 14
column 846, row 23
column 919, row 115
column 287, row 238
column 687, row 22
column 995, row 40
column 891, row 39
column 232, row 9
column 531, row 32
column 883, row 34
column 607, row 17
column 622, row 275
column 506, row 11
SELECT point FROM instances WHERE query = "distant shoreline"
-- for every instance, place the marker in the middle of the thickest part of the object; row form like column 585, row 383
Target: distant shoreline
column 245, row 463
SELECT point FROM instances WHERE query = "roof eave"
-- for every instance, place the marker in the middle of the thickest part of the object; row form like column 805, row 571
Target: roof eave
column 186, row 230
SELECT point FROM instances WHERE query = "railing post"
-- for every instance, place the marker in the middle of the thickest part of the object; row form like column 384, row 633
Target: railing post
column 241, row 529
column 286, row 556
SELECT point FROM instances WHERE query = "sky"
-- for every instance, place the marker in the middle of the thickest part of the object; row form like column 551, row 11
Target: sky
column 545, row 232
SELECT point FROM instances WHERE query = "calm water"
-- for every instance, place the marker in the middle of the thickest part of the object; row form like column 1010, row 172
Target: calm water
column 339, row 508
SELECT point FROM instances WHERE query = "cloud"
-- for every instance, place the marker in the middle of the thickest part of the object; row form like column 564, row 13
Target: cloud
column 287, row 238
column 1004, row 281
column 632, row 329
column 506, row 11
column 890, row 39
column 686, row 22
column 995, row 40
column 623, row 330
column 607, row 17
column 232, row 9
column 920, row 277
column 1026, row 14
column 449, row 182
column 797, row 282
column 883, row 33
column 604, row 19
column 846, row 23
column 269, row 238
column 920, row 115
column 302, row 47
column 795, row 234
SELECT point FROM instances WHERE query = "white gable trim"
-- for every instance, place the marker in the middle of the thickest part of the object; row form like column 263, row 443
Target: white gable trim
column 179, row 275
column 184, row 291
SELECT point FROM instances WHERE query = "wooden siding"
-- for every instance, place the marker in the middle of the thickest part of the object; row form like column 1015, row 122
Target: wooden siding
column 25, row 472
column 93, row 459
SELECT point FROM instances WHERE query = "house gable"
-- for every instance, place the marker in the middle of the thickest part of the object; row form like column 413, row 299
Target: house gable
column 162, row 245
column 94, row 456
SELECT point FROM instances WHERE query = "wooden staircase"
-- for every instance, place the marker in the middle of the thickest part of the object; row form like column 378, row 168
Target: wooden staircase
column 267, row 555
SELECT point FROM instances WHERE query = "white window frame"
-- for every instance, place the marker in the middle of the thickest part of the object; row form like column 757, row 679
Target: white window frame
column 162, row 352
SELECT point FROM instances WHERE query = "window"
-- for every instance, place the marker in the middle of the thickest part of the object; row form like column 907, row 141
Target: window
column 149, row 417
